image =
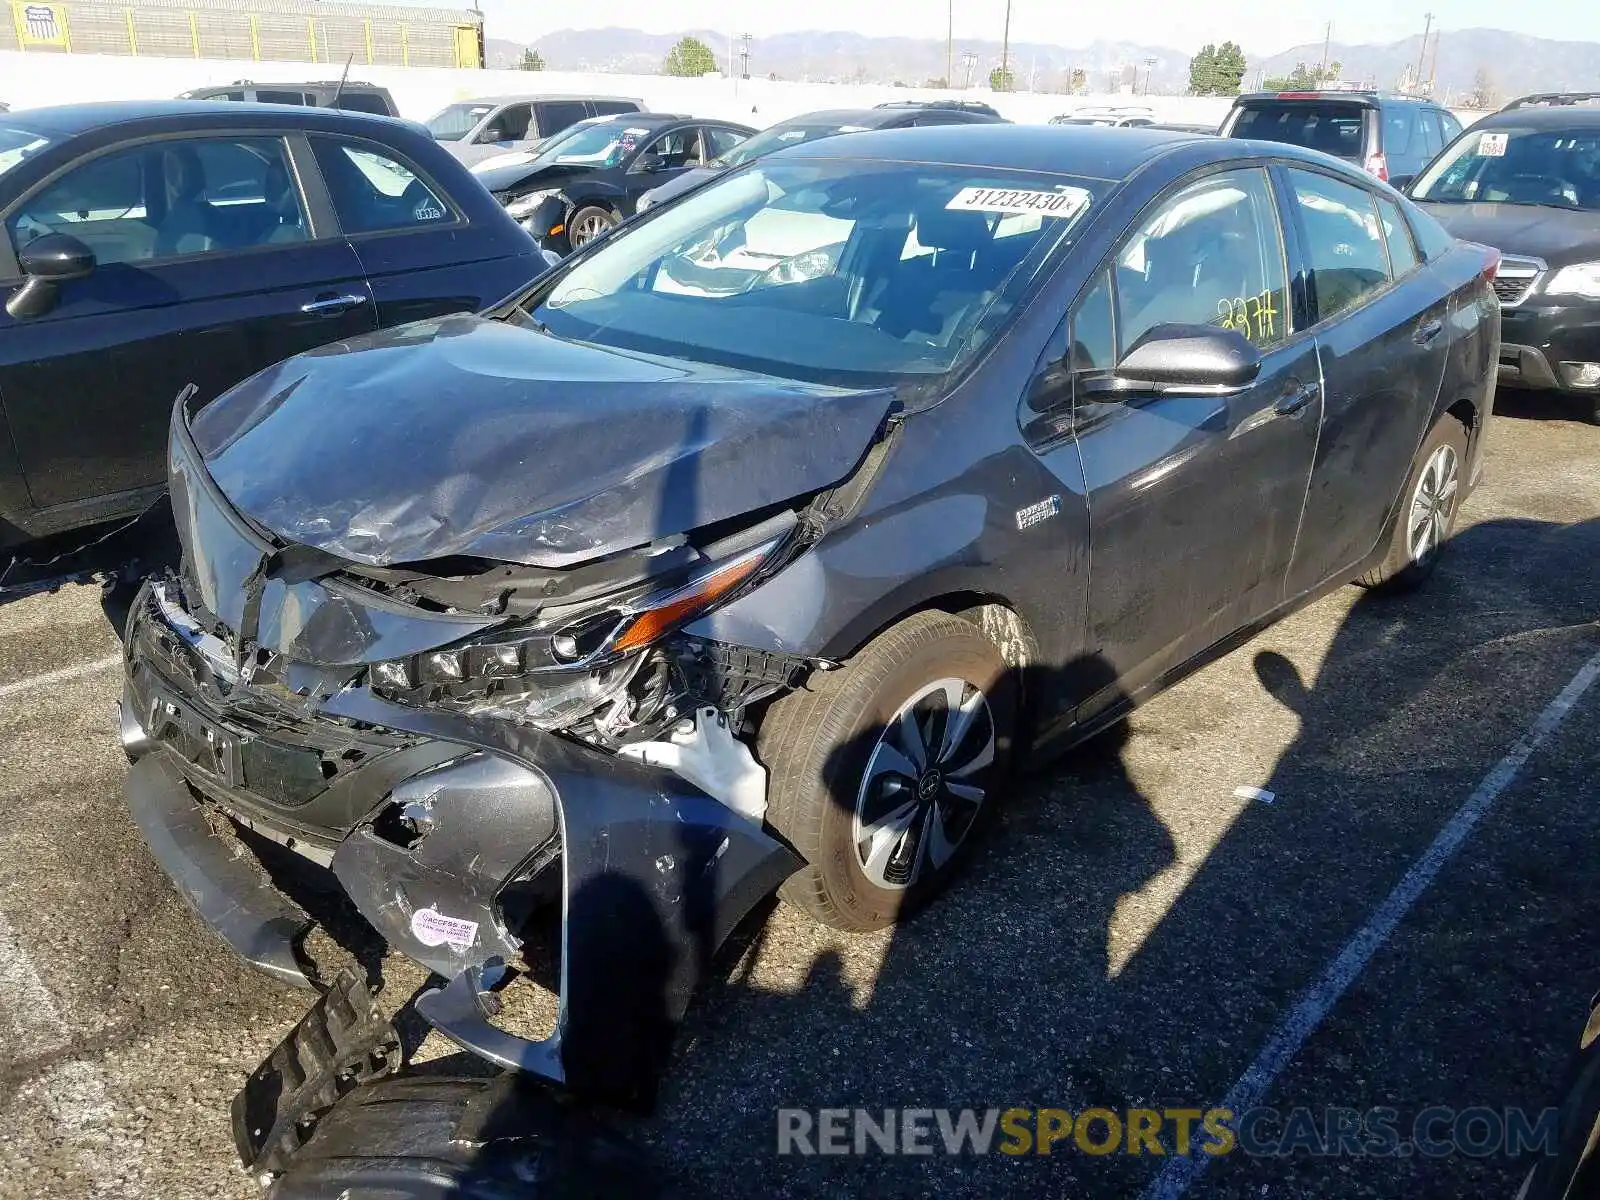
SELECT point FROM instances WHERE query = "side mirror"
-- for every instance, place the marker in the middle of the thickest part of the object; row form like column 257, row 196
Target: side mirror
column 1183, row 358
column 494, row 131
column 47, row 262
column 1401, row 182
column 649, row 163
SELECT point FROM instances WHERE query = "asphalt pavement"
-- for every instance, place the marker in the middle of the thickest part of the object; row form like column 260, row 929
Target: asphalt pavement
column 1405, row 923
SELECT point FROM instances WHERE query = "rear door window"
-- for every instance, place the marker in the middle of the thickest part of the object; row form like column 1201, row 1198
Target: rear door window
column 556, row 115
column 1333, row 127
column 1344, row 248
column 266, row 96
column 1403, row 257
column 610, row 108
column 373, row 192
column 720, row 141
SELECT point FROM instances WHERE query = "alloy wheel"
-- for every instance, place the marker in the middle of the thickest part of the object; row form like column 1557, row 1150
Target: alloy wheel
column 923, row 786
column 590, row 227
column 1433, row 504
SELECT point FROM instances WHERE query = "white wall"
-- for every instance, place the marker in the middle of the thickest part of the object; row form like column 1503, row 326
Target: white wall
column 30, row 80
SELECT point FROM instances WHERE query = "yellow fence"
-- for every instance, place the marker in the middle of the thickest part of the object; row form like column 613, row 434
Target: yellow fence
column 279, row 33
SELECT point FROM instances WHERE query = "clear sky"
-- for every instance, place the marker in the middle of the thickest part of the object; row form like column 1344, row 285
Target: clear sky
column 1259, row 25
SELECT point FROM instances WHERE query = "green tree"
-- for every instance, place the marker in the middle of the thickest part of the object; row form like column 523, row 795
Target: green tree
column 1303, row 78
column 690, row 57
column 532, row 60
column 1001, row 79
column 1078, row 82
column 1203, row 70
column 1217, row 70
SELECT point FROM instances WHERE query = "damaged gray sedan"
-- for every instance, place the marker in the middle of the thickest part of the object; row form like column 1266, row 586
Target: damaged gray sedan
column 743, row 548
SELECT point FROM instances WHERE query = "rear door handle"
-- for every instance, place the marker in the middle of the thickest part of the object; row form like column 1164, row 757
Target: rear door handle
column 328, row 306
column 1294, row 401
column 1427, row 331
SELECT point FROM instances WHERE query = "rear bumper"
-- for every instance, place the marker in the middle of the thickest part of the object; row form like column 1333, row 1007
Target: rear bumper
column 1537, row 340
column 460, row 821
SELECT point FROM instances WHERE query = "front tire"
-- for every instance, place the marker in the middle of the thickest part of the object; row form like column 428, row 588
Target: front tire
column 588, row 223
column 1427, row 516
column 883, row 771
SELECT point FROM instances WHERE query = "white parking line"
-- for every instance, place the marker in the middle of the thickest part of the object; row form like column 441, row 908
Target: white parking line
column 62, row 676
column 1314, row 1005
column 73, row 1092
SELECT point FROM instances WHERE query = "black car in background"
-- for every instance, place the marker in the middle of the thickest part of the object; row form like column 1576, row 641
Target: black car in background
column 590, row 179
column 744, row 546
column 1527, row 181
column 826, row 123
column 350, row 95
column 147, row 246
column 1391, row 137
column 971, row 106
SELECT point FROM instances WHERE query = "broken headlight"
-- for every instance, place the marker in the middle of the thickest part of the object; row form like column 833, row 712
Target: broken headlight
column 562, row 668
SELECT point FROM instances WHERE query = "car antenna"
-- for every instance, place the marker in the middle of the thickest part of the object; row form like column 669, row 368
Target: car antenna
column 339, row 91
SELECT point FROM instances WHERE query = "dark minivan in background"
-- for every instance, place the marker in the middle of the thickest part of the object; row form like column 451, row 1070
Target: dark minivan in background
column 348, row 95
column 1390, row 137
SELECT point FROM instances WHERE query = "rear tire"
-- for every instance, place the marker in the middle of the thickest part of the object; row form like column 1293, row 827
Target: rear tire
column 1428, row 509
column 883, row 771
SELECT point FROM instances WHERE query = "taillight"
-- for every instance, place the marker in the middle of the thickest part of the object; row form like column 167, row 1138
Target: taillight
column 1378, row 166
column 1491, row 264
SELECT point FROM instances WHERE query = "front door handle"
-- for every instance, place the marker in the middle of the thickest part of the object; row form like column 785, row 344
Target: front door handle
column 329, row 306
column 1427, row 331
column 1296, row 399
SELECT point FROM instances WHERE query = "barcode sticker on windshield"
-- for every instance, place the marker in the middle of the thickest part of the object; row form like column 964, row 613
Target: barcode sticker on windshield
column 1492, row 145
column 1063, row 202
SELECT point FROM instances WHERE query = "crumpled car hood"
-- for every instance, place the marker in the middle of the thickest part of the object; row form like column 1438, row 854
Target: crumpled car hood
column 471, row 436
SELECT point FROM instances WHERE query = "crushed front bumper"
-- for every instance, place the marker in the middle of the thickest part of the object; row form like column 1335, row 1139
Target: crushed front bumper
column 434, row 831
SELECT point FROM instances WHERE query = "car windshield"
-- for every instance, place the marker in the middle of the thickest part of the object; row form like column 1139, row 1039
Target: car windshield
column 600, row 145
column 777, row 138
column 17, row 144
column 849, row 273
column 1332, row 127
column 454, row 122
column 1510, row 165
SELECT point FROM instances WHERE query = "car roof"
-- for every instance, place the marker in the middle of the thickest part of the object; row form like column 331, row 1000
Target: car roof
column 349, row 85
column 69, row 120
column 1558, row 116
column 1368, row 99
column 525, row 97
column 1084, row 150
column 869, row 118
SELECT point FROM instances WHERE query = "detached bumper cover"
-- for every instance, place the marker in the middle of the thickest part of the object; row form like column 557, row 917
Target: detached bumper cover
column 229, row 893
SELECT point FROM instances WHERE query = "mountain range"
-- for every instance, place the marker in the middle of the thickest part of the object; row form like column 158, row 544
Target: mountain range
column 1502, row 63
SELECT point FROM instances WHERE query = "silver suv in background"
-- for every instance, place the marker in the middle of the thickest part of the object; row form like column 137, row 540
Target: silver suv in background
column 473, row 130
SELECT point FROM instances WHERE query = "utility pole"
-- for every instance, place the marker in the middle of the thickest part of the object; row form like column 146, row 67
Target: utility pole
column 1149, row 70
column 1005, row 51
column 969, row 60
column 949, row 44
column 744, row 56
column 1426, row 30
column 1327, row 39
column 1433, row 68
